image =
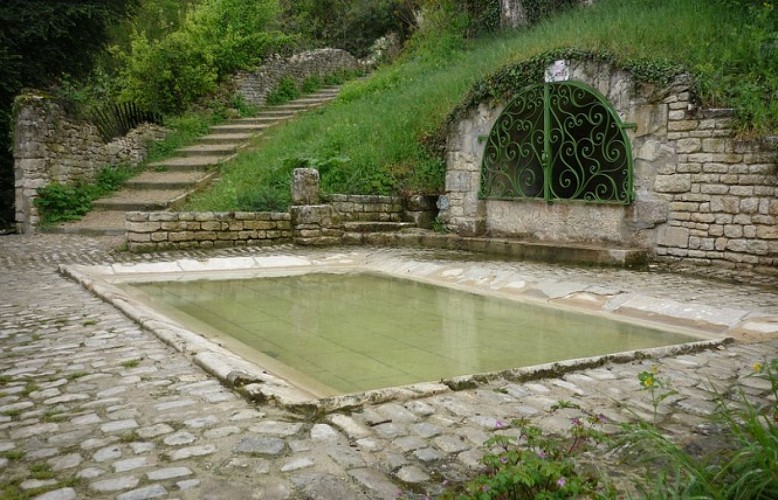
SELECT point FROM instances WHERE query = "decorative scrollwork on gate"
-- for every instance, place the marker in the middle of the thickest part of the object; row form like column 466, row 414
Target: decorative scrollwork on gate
column 558, row 141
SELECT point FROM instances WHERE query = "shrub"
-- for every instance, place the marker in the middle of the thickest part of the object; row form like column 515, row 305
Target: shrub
column 216, row 39
column 285, row 91
column 168, row 75
column 352, row 25
column 59, row 202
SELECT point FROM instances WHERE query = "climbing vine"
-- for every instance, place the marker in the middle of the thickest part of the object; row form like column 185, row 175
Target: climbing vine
column 510, row 79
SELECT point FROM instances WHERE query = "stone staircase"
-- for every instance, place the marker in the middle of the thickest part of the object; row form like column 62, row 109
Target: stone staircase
column 166, row 184
column 372, row 219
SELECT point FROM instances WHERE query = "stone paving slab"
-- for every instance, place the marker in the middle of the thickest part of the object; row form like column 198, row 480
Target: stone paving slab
column 93, row 406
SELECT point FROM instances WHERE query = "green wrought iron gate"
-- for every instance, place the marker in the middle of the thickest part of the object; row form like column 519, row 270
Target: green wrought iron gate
column 558, row 141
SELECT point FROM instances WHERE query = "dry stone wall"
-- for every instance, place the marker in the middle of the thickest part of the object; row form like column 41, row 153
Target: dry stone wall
column 701, row 196
column 49, row 146
column 368, row 207
column 723, row 194
column 147, row 231
column 255, row 86
column 310, row 225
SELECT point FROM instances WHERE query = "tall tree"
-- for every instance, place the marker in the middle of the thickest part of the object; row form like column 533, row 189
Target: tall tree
column 40, row 40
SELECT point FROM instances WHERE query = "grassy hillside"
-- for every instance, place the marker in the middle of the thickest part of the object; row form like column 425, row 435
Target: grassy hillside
column 372, row 140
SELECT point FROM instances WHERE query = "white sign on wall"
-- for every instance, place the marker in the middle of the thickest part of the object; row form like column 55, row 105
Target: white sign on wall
column 558, row 72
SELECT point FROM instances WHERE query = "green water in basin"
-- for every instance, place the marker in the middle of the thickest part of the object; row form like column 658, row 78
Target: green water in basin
column 341, row 333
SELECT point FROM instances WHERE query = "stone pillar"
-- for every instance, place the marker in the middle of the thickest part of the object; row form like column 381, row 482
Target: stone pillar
column 31, row 168
column 305, row 186
column 316, row 225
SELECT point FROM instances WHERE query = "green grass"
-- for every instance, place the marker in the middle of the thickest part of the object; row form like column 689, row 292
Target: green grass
column 374, row 139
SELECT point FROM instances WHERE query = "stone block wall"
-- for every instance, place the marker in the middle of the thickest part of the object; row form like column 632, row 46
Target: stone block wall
column 723, row 194
column 149, row 231
column 49, row 146
column 310, row 225
column 368, row 207
column 701, row 196
column 255, row 86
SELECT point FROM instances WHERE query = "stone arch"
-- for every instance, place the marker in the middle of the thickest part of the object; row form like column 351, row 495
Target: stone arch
column 469, row 214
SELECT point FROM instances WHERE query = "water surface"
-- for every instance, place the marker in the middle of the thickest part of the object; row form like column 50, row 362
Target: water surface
column 353, row 332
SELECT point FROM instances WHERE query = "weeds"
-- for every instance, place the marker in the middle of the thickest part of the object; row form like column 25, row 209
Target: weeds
column 129, row 437
column 658, row 388
column 741, row 461
column 534, row 465
column 41, row 471
column 14, row 454
column 29, row 387
column 131, row 363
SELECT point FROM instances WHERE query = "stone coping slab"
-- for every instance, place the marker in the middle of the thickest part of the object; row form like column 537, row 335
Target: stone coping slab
column 712, row 325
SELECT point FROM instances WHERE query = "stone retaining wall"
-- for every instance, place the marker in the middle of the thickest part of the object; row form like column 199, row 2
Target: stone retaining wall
column 255, row 86
column 701, row 196
column 309, row 224
column 147, row 231
column 49, row 146
column 723, row 194
column 368, row 208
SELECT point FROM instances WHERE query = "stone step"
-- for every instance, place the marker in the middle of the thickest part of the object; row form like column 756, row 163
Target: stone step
column 263, row 119
column 170, row 180
column 221, row 149
column 298, row 106
column 144, row 201
column 189, row 163
column 95, row 223
column 237, row 128
column 375, row 226
column 312, row 99
column 332, row 90
column 225, row 138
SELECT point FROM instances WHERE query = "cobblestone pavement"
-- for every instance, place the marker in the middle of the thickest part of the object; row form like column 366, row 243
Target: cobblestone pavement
column 92, row 406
